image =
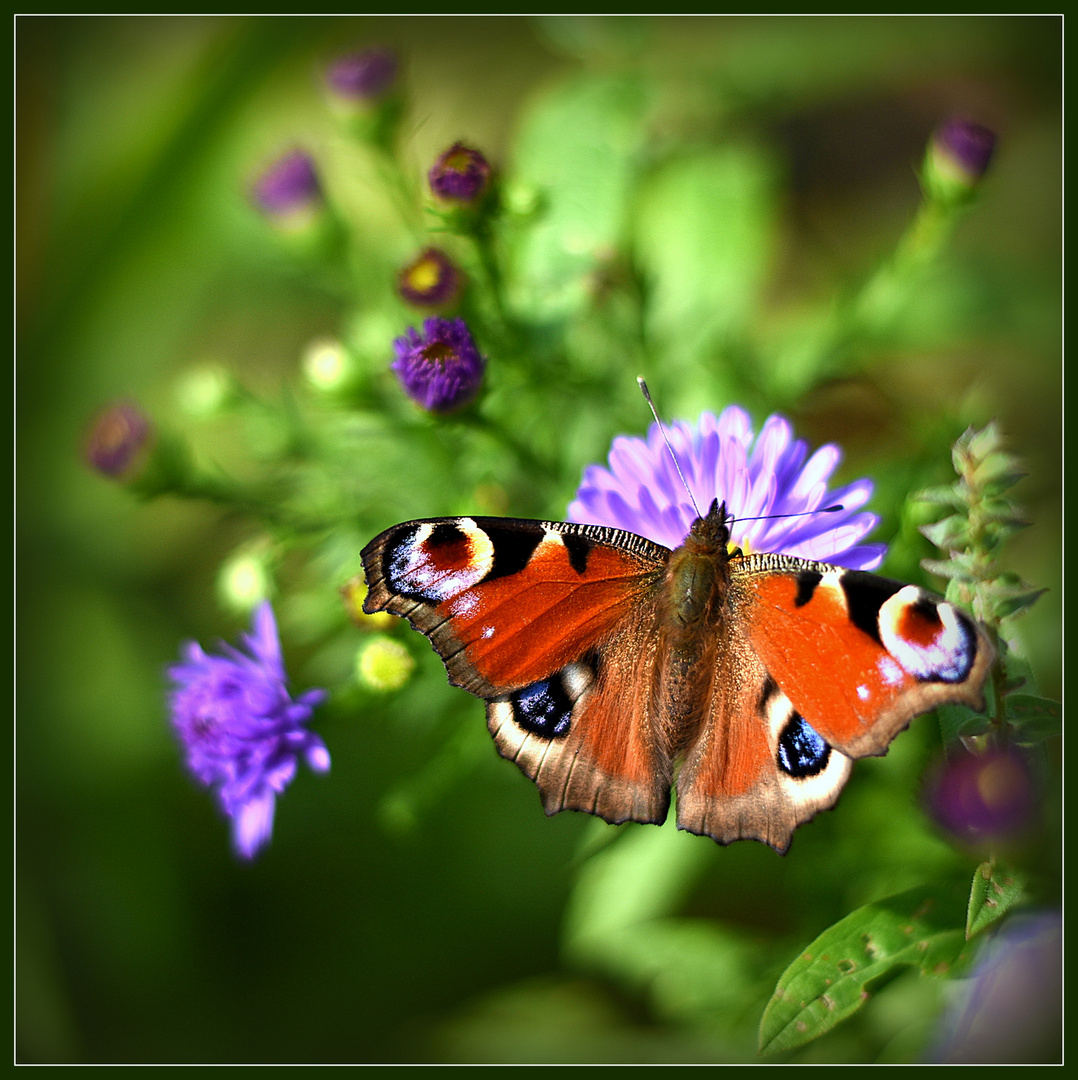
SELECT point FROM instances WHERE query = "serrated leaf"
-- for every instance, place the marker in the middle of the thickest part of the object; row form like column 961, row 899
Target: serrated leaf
column 832, row 978
column 1013, row 605
column 995, row 891
column 1033, row 718
column 943, row 568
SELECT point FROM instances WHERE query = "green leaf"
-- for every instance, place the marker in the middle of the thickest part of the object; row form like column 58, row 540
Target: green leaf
column 960, row 722
column 995, row 891
column 832, row 978
column 1018, row 671
column 1032, row 718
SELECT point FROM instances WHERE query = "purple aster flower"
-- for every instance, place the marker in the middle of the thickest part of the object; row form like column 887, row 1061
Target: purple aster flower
column 289, row 185
column 242, row 731
column 118, row 440
column 430, row 280
column 721, row 457
column 988, row 796
column 460, row 174
column 362, row 76
column 440, row 369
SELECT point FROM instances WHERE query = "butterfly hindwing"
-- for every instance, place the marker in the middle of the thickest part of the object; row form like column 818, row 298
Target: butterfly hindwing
column 590, row 736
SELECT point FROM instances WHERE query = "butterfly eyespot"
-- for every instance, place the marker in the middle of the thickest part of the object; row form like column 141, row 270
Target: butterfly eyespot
column 543, row 709
column 434, row 561
column 801, row 750
column 933, row 641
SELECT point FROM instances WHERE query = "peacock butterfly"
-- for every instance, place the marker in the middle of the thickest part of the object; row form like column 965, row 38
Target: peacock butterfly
column 615, row 669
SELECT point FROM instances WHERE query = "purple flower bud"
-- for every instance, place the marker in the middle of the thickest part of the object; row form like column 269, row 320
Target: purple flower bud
column 362, row 76
column 430, row 280
column 288, row 186
column 241, row 730
column 984, row 796
column 118, row 439
column 965, row 148
column 440, row 369
column 460, row 174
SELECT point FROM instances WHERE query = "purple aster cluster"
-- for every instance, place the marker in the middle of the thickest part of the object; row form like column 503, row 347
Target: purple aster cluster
column 440, row 368
column 769, row 473
column 241, row 730
column 984, row 797
column 362, row 76
column 460, row 175
column 289, row 185
column 430, row 280
column 118, row 439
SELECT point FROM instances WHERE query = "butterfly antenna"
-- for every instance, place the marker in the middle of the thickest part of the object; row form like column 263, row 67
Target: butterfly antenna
column 666, row 439
column 800, row 513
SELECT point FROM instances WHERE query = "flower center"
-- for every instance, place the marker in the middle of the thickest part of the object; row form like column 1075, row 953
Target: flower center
column 437, row 352
column 459, row 162
column 424, row 276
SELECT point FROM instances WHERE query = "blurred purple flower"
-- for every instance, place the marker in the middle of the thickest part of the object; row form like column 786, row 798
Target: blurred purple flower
column 118, row 439
column 289, row 185
column 460, row 174
column 362, row 76
column 755, row 475
column 430, row 280
column 987, row 796
column 440, row 369
column 242, row 732
column 1011, row 1008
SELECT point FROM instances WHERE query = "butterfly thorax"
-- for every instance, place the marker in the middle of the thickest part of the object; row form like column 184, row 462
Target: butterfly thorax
column 697, row 574
column 694, row 611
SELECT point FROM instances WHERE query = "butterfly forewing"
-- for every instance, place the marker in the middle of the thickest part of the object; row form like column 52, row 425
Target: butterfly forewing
column 508, row 602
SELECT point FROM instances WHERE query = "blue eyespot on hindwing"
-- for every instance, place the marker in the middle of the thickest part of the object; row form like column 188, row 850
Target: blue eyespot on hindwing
column 545, row 708
column 801, row 750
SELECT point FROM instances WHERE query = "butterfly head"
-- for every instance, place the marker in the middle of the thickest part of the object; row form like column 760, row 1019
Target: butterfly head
column 711, row 532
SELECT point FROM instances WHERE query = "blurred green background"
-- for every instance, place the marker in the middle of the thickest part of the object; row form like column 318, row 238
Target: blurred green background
column 139, row 936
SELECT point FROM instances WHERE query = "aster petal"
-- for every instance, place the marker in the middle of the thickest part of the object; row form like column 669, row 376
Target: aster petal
column 252, row 826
